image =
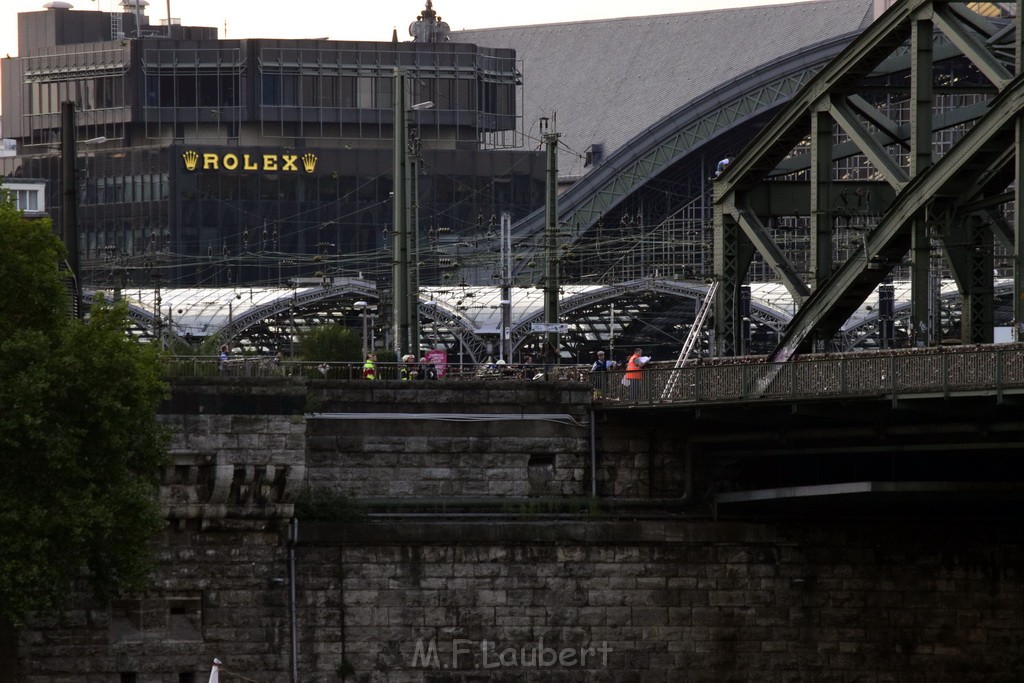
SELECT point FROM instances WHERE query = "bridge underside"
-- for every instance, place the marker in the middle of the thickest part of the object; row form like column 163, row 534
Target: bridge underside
column 929, row 457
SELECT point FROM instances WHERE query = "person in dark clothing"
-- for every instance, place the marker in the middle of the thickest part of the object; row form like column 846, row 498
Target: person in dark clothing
column 599, row 374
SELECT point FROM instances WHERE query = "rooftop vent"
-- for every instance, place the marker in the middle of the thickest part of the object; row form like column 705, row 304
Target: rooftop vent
column 57, row 4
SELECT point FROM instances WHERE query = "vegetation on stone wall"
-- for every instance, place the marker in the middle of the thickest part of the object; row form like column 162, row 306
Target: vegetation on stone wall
column 326, row 505
column 79, row 440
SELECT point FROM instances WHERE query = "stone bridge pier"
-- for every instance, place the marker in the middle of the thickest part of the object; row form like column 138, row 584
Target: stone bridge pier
column 427, row 531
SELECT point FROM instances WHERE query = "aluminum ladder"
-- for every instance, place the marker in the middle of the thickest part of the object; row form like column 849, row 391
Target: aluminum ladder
column 692, row 339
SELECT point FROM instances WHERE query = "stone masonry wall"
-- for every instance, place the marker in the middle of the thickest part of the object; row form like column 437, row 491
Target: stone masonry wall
column 662, row 601
column 217, row 593
column 237, row 462
column 412, row 595
column 436, row 440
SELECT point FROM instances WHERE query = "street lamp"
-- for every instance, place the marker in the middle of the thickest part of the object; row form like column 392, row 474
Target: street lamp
column 361, row 307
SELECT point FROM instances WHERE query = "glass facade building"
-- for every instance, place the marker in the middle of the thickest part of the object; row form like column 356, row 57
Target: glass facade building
column 213, row 162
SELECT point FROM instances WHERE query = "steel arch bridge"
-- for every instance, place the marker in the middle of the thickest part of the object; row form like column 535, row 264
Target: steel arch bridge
column 682, row 149
column 941, row 208
column 715, row 120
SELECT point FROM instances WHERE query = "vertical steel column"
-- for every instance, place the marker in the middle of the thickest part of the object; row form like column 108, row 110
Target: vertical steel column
column 505, row 348
column 412, row 250
column 728, row 267
column 1018, row 204
column 921, row 97
column 550, row 138
column 400, row 257
column 977, row 314
column 733, row 253
column 821, row 185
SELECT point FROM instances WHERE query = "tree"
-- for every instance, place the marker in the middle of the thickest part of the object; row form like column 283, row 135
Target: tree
column 80, row 442
column 331, row 343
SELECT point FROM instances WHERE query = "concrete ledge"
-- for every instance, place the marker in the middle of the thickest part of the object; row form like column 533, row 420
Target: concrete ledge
column 543, row 531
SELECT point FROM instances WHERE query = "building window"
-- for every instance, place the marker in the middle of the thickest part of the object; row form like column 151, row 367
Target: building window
column 28, row 199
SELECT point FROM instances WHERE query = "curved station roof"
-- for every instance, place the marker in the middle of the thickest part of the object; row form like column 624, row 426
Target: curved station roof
column 651, row 313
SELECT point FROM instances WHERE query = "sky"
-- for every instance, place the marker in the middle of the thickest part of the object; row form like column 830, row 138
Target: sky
column 367, row 20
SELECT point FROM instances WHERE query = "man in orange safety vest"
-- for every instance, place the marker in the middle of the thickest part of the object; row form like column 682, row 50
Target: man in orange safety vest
column 635, row 372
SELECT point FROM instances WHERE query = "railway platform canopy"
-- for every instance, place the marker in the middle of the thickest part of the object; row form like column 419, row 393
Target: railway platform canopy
column 656, row 314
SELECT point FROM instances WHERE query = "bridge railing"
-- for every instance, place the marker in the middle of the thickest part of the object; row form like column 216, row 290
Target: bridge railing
column 992, row 368
column 964, row 369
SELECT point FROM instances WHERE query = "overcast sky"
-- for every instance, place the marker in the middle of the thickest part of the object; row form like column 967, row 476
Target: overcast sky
column 368, row 20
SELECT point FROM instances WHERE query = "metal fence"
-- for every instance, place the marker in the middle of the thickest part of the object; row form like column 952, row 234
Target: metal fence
column 985, row 369
column 946, row 371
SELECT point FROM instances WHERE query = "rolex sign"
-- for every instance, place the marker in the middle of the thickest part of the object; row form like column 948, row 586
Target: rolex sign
column 230, row 161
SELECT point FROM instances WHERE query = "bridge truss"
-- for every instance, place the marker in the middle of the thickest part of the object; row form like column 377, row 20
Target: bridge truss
column 936, row 193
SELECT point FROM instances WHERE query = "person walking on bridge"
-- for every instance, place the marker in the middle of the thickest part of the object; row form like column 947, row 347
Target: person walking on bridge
column 635, row 372
column 370, row 367
column 599, row 374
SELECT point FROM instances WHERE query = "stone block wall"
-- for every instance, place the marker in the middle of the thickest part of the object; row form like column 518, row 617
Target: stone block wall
column 220, row 593
column 438, row 594
column 437, row 441
column 662, row 601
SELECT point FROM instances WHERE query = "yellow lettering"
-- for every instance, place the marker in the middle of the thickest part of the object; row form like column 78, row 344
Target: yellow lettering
column 246, row 162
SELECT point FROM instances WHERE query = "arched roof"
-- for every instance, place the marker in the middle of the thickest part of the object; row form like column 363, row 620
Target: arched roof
column 472, row 315
column 607, row 80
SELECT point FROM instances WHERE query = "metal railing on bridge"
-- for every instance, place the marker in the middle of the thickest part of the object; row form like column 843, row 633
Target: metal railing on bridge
column 902, row 373
column 946, row 371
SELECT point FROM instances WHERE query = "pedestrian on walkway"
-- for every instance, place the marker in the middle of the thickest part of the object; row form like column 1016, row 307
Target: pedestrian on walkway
column 370, row 367
column 635, row 373
column 599, row 374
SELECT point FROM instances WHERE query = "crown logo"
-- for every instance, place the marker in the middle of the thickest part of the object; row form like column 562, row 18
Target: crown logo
column 309, row 162
column 191, row 158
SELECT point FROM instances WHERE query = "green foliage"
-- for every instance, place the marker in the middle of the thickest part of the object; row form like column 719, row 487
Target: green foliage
column 326, row 506
column 332, row 343
column 386, row 356
column 387, row 367
column 81, row 446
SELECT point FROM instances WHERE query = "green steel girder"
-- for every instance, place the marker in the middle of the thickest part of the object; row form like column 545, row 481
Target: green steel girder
column 733, row 254
column 968, row 248
column 953, row 26
column 971, row 171
column 791, row 126
column 947, row 119
column 978, row 162
column 759, row 237
column 784, row 198
column 868, row 145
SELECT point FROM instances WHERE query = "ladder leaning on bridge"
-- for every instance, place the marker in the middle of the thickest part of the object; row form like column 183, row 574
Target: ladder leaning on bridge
column 692, row 339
